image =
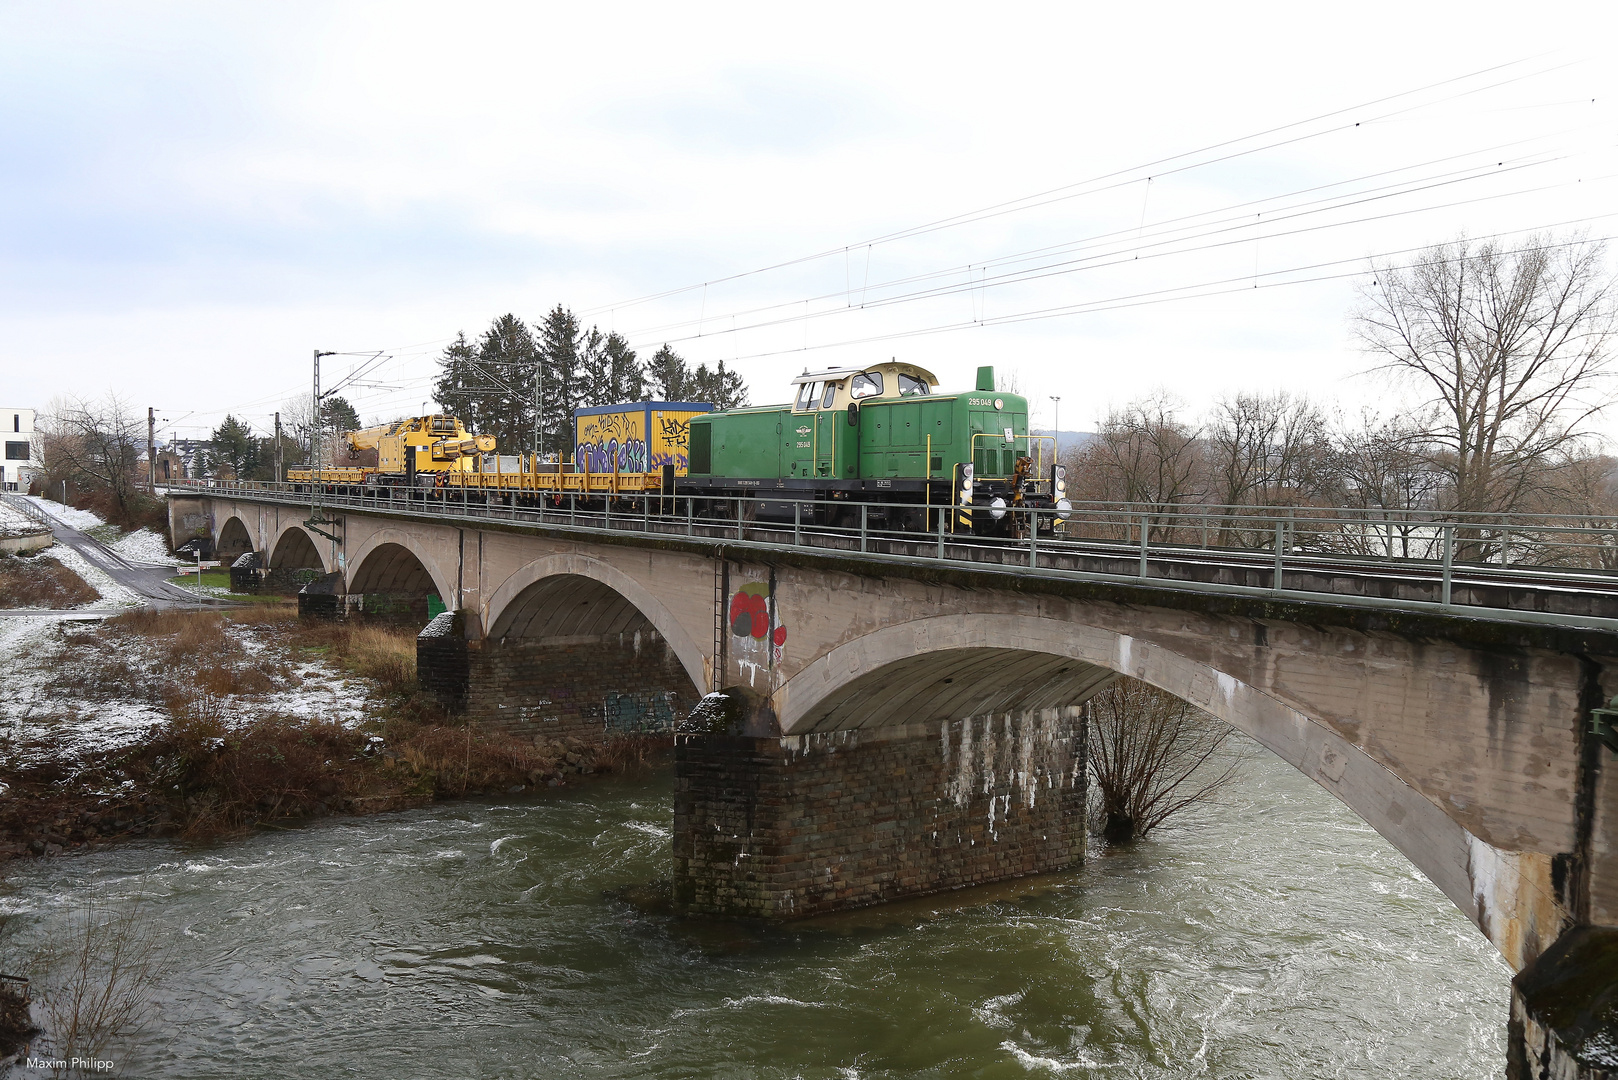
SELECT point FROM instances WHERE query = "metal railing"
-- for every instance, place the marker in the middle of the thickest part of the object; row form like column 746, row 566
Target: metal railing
column 25, row 506
column 1518, row 567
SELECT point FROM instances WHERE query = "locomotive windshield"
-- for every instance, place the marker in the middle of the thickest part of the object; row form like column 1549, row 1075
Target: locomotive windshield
column 806, row 396
column 867, row 384
column 909, row 386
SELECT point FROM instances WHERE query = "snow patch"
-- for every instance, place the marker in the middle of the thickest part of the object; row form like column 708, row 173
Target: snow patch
column 144, row 546
column 98, row 579
column 67, row 515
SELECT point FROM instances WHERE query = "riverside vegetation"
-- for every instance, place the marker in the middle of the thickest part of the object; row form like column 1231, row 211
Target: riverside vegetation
column 227, row 751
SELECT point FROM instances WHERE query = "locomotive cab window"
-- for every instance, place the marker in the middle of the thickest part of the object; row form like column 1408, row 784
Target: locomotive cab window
column 831, row 395
column 806, row 396
column 910, row 386
column 866, row 384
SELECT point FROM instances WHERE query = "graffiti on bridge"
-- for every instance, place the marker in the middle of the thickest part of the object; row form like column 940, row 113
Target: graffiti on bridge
column 644, row 713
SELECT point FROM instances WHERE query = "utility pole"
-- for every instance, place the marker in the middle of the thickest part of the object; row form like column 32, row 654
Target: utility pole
column 316, row 518
column 279, row 475
column 151, row 451
column 1056, row 427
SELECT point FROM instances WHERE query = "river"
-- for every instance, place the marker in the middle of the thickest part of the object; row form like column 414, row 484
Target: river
column 1277, row 937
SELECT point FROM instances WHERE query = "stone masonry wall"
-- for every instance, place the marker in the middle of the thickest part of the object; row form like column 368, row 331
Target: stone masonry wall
column 794, row 826
column 622, row 684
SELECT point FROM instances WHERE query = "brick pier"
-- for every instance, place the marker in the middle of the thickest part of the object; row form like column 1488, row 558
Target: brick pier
column 782, row 827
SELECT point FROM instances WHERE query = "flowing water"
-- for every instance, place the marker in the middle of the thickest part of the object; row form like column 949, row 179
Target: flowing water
column 1279, row 937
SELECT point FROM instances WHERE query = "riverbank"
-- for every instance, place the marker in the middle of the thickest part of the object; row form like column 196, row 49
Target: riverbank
column 201, row 723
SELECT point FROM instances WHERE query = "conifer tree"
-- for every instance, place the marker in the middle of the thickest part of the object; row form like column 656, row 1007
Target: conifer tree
column 559, row 347
column 668, row 376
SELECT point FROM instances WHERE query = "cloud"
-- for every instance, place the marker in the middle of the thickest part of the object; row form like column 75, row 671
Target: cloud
column 758, row 111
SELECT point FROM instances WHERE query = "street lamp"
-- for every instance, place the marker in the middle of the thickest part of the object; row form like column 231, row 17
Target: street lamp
column 1056, row 424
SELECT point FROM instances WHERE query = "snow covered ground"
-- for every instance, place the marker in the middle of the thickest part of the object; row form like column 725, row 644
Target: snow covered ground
column 112, row 593
column 13, row 520
column 144, row 546
column 77, row 519
column 78, row 688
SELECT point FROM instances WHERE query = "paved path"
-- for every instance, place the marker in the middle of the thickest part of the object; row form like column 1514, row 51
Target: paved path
column 147, row 580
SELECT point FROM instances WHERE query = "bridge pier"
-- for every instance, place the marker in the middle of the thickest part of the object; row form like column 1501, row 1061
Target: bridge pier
column 777, row 827
column 580, row 686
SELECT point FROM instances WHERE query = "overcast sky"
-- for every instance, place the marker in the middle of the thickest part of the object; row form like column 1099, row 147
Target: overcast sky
column 195, row 196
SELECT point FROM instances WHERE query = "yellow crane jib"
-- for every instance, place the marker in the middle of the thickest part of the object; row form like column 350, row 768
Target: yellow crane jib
column 453, row 449
column 404, row 448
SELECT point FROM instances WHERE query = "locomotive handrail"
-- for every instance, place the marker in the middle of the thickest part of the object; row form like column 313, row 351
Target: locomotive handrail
column 1318, row 558
column 1039, row 464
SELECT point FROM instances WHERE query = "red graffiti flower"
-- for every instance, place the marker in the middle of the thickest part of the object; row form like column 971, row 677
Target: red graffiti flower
column 750, row 614
column 780, row 635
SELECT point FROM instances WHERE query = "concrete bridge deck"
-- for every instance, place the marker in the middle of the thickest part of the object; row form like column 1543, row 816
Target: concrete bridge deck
column 902, row 714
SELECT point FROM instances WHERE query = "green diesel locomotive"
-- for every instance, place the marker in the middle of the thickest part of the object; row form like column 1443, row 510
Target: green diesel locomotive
column 880, row 434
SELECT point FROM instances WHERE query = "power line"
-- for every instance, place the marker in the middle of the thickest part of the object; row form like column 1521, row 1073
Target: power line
column 1218, row 287
column 1160, row 230
column 1115, row 258
column 1159, row 167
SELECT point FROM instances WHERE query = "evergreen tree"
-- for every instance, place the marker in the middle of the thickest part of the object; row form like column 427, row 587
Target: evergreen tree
column 595, row 374
column 339, row 416
column 627, row 381
column 509, row 361
column 459, row 388
column 668, row 376
column 232, row 451
column 560, row 342
column 723, row 389
column 609, row 371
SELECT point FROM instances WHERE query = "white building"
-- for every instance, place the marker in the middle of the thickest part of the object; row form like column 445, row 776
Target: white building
column 21, row 461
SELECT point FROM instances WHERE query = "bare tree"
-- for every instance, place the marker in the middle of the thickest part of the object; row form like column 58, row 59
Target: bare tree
column 1265, row 450
column 1152, row 756
column 96, row 446
column 1143, row 454
column 1511, row 347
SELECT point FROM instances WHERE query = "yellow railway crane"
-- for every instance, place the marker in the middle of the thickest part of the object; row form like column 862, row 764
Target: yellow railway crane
column 405, row 449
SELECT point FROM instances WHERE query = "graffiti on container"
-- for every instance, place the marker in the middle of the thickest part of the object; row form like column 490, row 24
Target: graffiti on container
column 616, row 437
column 673, row 442
column 599, row 457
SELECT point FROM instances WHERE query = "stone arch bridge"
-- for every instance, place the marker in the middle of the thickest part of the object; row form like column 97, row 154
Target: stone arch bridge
column 895, row 725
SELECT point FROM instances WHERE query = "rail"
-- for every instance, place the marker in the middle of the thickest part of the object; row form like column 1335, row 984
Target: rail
column 1537, row 568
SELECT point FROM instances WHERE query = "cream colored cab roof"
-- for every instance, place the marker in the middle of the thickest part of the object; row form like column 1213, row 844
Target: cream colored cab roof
column 839, row 378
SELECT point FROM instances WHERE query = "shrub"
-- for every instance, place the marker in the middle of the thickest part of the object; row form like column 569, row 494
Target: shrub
column 27, row 582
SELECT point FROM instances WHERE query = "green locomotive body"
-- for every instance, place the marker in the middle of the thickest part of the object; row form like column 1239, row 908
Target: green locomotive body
column 881, row 434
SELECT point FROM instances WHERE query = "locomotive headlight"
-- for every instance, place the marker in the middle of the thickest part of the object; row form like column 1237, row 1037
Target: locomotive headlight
column 1061, row 481
column 966, row 474
column 997, row 509
column 1063, row 509
column 966, row 485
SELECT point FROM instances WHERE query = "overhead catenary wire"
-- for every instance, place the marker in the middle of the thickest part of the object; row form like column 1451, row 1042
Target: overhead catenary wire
column 1240, row 283
column 1162, row 229
column 1158, row 167
column 1115, row 258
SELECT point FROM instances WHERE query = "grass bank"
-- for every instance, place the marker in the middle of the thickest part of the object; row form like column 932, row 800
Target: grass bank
column 33, row 581
column 254, row 717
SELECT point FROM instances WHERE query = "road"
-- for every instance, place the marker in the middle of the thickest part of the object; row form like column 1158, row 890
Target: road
column 147, row 580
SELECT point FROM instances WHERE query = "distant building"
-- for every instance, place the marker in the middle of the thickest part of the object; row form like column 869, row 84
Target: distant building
column 170, row 465
column 21, row 463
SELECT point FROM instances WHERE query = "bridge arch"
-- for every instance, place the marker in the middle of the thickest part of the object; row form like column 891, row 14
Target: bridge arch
column 528, row 600
column 296, row 549
column 1018, row 662
column 392, row 561
column 233, row 541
